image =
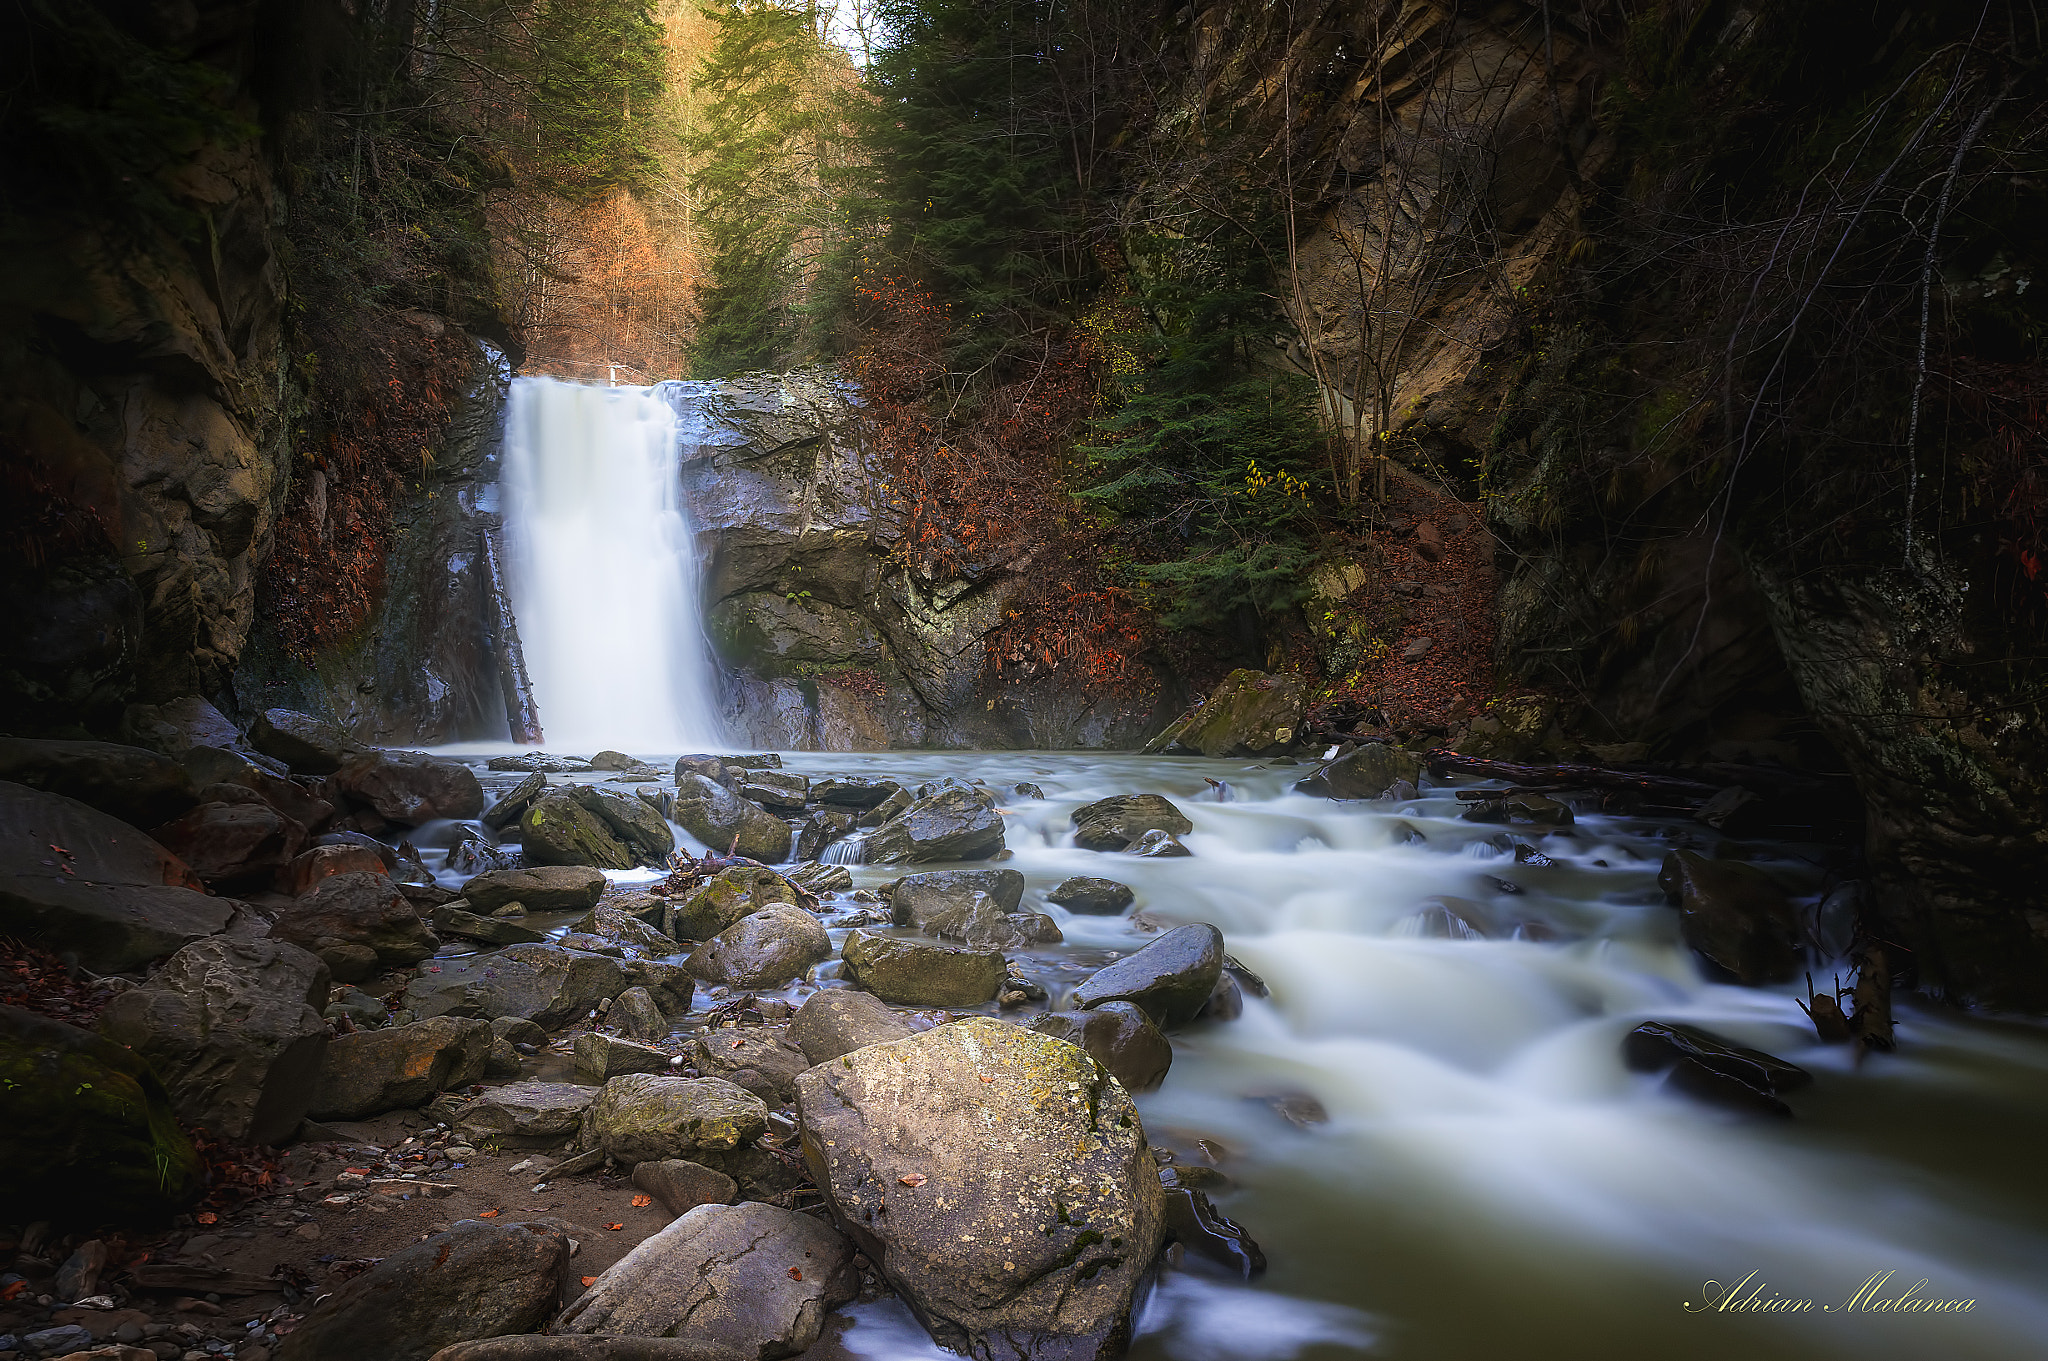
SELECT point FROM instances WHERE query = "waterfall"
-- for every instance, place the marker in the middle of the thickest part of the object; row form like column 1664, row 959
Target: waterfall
column 603, row 569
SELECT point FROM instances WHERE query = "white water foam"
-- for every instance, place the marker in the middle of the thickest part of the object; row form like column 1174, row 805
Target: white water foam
column 603, row 569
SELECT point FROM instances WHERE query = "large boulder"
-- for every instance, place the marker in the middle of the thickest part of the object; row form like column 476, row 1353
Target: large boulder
column 176, row 726
column 1089, row 896
column 755, row 1278
column 244, row 844
column 479, row 1279
column 852, row 791
column 513, row 802
column 141, row 788
column 763, row 949
column 646, row 1117
column 1367, row 773
column 681, row 1186
column 624, row 929
column 632, row 823
column 999, row 1179
column 1118, row 1036
column 921, row 973
column 542, row 888
column 723, row 899
column 761, row 1059
column 837, row 1021
column 959, row 911
column 410, row 787
column 1121, row 821
column 518, row 1115
column 234, row 1029
column 1170, row 979
column 726, row 822
column 374, row 1071
column 310, row 866
column 90, row 1133
column 86, row 885
column 954, row 824
column 1735, row 915
column 916, row 898
column 455, row 919
column 544, row 984
column 1249, row 714
column 556, row 829
column 309, row 745
column 357, row 909
column 601, row 1057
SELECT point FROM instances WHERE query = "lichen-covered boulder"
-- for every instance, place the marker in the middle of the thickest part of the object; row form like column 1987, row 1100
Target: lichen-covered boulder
column 763, row 949
column 1120, row 821
column 541, row 888
column 761, row 1059
column 999, row 1178
column 1120, row 1037
column 514, row 801
column 726, row 822
column 1249, row 714
column 557, row 829
column 234, row 1029
column 374, row 1071
column 624, row 929
column 410, row 787
column 723, row 899
column 953, row 824
column 90, row 1133
column 921, row 973
column 1170, row 979
column 645, row 1117
column 1366, row 773
column 837, row 1021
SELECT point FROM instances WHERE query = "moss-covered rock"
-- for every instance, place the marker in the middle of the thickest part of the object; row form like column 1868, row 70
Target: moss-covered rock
column 724, row 821
column 557, row 829
column 726, row 897
column 764, row 949
column 954, row 824
column 645, row 1117
column 1249, row 714
column 922, row 973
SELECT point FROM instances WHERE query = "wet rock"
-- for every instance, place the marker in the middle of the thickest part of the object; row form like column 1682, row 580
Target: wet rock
column 519, row 1030
column 90, row 1133
column 1020, row 1135
column 1529, row 810
column 820, row 830
column 725, row 898
column 1120, row 1037
column 479, row 1279
column 633, row 822
column 545, row 984
column 954, row 824
column 1203, row 1230
column 112, row 898
column 309, row 745
column 514, row 801
column 917, row 898
column 1655, row 1046
column 234, row 1029
column 775, row 790
column 534, row 1347
column 668, row 986
column 919, row 973
column 1299, row 1109
column 1365, row 773
column 755, row 1278
column 1115, row 823
column 1027, row 791
column 360, row 1007
column 625, row 929
column 761, row 1059
column 472, row 855
column 451, row 919
column 558, row 829
column 838, row 1021
column 411, row 788
column 764, row 949
column 1158, row 845
column 1171, row 978
column 1735, row 915
column 763, row 760
column 544, row 888
column 504, row 1060
column 848, row 791
column 612, row 760
column 646, row 1118
column 309, row 867
column 822, row 879
column 725, row 822
column 1094, row 897
column 1716, row 1088
column 518, row 1114
column 1226, row 1000
column 540, row 763
column 637, row 1016
column 357, row 909
column 375, row 1071
column 889, row 808
column 1249, row 714
column 1246, row 979
column 682, row 1186
column 600, row 1058
column 141, row 788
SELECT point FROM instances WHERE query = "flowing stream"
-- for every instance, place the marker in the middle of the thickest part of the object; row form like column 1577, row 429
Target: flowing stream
column 600, row 552
column 1490, row 1181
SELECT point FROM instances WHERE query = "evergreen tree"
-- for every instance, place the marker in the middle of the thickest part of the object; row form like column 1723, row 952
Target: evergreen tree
column 593, row 77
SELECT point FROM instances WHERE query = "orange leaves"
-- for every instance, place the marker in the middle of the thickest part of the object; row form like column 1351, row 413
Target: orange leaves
column 642, row 1202
column 912, row 1179
column 487, row 1214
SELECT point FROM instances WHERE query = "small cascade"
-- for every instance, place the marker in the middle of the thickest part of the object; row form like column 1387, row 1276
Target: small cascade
column 603, row 569
column 846, row 852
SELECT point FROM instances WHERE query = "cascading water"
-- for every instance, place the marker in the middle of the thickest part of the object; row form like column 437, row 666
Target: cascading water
column 603, row 570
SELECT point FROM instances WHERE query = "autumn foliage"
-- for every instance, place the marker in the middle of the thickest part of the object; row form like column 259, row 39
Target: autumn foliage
column 600, row 293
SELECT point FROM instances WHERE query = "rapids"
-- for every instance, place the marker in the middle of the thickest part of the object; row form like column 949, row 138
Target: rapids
column 1491, row 1182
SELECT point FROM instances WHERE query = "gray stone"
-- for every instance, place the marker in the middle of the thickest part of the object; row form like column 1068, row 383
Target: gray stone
column 637, row 1016
column 726, row 897
column 623, row 928
column 479, row 1279
column 1115, row 823
column 764, row 949
column 756, row 1278
column 1249, row 714
column 358, row 909
column 450, row 919
column 1171, row 978
column 1158, row 845
column 954, row 824
column 582, row 825
column 411, row 788
column 541, row 888
column 234, row 1029
column 760, row 1059
column 600, row 1058
column 921, row 973
column 545, row 984
column 776, row 791
column 838, row 1021
column 1020, row 1136
column 1090, row 896
column 1365, row 773
column 400, row 1066
column 726, row 822
column 852, row 791
column 668, row 986
column 682, row 1186
column 519, row 1030
column 309, row 745
column 1735, row 915
column 513, row 802
column 517, row 1115
column 1118, row 1036
column 645, row 1117
column 505, row 1059
column 917, row 897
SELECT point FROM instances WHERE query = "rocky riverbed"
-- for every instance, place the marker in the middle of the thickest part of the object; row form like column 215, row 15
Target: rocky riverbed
column 503, row 1054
